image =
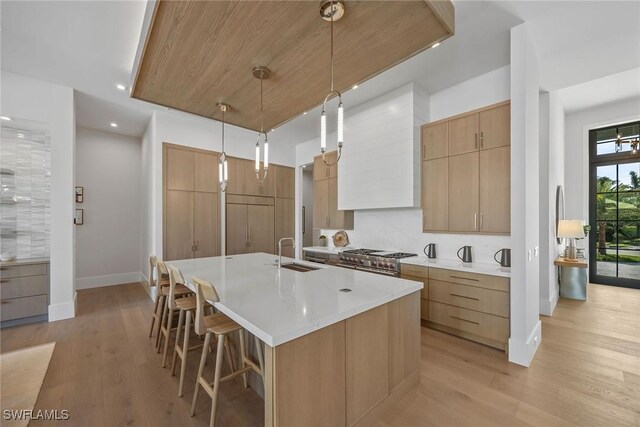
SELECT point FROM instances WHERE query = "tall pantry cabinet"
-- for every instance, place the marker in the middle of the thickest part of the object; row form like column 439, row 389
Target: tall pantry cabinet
column 466, row 175
column 191, row 220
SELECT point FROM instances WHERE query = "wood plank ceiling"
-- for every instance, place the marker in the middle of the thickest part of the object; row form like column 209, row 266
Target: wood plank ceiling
column 199, row 53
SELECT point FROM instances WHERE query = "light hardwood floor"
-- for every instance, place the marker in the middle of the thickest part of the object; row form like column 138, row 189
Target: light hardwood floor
column 586, row 371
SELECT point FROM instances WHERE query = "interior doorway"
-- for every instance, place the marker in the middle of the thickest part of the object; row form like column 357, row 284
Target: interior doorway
column 614, row 244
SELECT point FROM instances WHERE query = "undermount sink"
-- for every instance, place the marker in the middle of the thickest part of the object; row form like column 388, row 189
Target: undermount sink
column 298, row 267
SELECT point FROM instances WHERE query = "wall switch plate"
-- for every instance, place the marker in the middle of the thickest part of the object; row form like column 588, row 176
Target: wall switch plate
column 535, row 251
column 529, row 254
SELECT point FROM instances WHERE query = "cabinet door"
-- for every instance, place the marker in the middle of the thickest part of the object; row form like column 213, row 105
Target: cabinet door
column 321, row 203
column 237, row 233
column 261, row 231
column 205, row 172
column 435, row 195
column 495, row 190
column 463, row 192
column 179, row 169
column 495, row 127
column 268, row 187
column 321, row 170
column 463, row 135
column 251, row 184
column 285, row 182
column 206, row 225
column 235, row 183
column 285, row 224
column 332, row 158
column 178, row 225
column 435, row 141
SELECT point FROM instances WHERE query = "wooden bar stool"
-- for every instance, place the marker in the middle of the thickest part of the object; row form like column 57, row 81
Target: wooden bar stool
column 163, row 280
column 187, row 307
column 172, row 292
column 219, row 325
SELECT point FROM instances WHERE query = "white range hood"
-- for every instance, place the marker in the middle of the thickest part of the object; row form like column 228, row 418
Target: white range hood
column 380, row 165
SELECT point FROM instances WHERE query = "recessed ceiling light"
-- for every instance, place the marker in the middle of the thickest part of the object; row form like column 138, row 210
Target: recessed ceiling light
column 21, row 135
column 6, row 118
column 435, row 45
column 113, row 125
column 304, row 113
column 273, row 129
column 304, row 166
column 355, row 87
column 121, row 86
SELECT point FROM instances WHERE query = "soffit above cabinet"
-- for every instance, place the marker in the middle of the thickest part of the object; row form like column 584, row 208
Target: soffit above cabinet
column 199, row 53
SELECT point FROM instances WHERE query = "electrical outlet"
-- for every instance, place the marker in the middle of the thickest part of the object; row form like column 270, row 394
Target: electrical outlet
column 529, row 254
column 535, row 251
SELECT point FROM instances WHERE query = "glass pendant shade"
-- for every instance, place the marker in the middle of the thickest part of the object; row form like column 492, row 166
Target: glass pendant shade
column 223, row 167
column 323, row 132
column 340, row 125
column 257, row 157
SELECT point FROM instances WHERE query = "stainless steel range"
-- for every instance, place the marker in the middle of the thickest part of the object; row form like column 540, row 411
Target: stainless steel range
column 373, row 260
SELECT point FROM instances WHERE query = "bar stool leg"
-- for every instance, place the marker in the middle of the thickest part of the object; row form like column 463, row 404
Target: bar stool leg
column 216, row 379
column 166, row 338
column 243, row 355
column 163, row 304
column 155, row 315
column 177, row 343
column 203, row 361
column 185, row 350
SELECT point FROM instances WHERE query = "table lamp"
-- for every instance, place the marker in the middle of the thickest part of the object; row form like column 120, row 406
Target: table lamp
column 571, row 229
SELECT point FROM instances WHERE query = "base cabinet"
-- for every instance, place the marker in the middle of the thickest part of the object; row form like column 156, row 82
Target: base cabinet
column 348, row 373
column 470, row 305
column 24, row 292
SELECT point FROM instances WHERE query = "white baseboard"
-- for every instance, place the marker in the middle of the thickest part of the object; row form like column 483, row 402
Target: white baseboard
column 521, row 352
column 108, row 280
column 62, row 311
column 548, row 306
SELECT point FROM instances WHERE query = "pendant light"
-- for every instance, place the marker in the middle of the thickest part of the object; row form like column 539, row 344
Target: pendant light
column 331, row 10
column 223, row 167
column 262, row 73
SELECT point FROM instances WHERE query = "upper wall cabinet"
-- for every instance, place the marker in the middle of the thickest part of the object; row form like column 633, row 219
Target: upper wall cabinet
column 380, row 164
column 466, row 172
column 325, row 195
column 243, row 180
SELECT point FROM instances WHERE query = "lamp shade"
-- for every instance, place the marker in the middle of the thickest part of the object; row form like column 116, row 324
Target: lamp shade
column 570, row 229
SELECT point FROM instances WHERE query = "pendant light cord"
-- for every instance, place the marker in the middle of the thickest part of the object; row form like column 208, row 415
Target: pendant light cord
column 261, row 110
column 324, row 158
column 332, row 15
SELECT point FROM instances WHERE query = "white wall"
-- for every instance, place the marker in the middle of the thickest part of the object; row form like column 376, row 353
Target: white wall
column 577, row 126
column 108, row 244
column 197, row 132
column 401, row 229
column 552, row 164
column 525, row 198
column 32, row 99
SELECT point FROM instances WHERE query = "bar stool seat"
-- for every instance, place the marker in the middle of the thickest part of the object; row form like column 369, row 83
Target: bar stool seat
column 180, row 290
column 160, row 283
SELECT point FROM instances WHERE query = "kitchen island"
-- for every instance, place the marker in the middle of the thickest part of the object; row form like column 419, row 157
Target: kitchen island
column 341, row 346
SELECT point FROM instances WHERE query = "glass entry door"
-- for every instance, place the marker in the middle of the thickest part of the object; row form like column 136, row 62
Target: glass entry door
column 615, row 207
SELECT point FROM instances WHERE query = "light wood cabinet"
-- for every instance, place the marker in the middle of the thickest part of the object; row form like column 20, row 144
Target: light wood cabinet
column 285, row 182
column 463, row 192
column 463, row 135
column 235, row 183
column 191, row 220
column 495, row 190
column 321, row 170
column 243, row 179
column 325, row 194
column 495, row 127
column 250, row 224
column 435, row 141
column 435, row 194
column 472, row 192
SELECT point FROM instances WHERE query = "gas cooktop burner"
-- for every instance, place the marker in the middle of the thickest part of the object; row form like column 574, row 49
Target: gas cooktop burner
column 397, row 255
column 360, row 251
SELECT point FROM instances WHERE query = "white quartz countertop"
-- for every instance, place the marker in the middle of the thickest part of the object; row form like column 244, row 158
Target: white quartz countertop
column 450, row 264
column 279, row 306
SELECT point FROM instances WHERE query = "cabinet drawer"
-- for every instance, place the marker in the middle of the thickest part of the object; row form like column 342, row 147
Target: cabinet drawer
column 472, row 279
column 16, row 287
column 23, row 270
column 414, row 270
column 23, row 307
column 480, row 324
column 424, row 309
column 424, row 292
column 471, row 297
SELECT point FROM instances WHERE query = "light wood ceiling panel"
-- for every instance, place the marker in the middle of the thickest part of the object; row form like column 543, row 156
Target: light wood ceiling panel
column 199, row 53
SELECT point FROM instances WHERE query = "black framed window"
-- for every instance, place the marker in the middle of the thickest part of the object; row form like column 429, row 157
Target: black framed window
column 614, row 240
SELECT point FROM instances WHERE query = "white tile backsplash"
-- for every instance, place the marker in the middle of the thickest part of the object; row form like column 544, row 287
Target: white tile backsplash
column 401, row 229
